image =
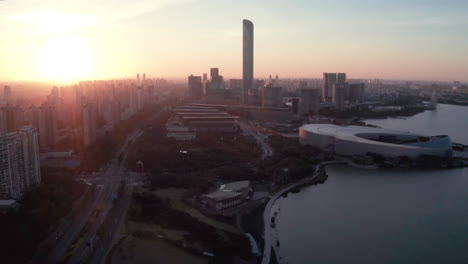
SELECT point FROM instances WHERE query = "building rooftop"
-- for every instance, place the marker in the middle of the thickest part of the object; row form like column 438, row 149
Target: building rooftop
column 235, row 186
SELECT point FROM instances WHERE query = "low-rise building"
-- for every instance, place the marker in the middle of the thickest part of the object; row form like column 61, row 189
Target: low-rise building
column 228, row 195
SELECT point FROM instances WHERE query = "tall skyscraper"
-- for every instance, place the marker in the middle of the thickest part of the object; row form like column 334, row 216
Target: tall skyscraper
column 19, row 163
column 248, row 60
column 195, row 88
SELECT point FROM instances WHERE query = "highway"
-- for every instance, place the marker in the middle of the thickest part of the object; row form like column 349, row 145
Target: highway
column 95, row 248
column 249, row 130
column 76, row 235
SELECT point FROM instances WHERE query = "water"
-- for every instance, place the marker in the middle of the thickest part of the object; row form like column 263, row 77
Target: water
column 382, row 216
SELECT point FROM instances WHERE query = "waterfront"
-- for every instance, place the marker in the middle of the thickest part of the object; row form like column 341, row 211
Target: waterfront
column 382, row 216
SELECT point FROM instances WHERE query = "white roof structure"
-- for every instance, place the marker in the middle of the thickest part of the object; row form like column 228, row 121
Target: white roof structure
column 360, row 140
column 229, row 190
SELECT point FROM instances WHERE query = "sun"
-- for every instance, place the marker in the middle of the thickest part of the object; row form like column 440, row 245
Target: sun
column 64, row 59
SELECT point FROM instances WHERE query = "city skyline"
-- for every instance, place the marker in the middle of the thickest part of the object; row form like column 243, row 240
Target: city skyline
column 416, row 40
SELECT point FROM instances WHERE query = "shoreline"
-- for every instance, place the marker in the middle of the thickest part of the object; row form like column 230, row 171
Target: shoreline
column 312, row 180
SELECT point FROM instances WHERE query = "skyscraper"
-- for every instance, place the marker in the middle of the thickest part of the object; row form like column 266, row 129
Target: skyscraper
column 329, row 79
column 48, row 126
column 338, row 95
column 19, row 163
column 214, row 73
column 247, row 62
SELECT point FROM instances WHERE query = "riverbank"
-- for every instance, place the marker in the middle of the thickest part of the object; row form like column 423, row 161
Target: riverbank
column 318, row 177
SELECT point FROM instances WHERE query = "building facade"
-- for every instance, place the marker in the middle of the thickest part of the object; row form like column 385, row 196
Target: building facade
column 19, row 162
column 248, row 60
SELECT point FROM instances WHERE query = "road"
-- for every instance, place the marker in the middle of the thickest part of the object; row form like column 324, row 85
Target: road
column 94, row 248
column 103, row 197
column 248, row 129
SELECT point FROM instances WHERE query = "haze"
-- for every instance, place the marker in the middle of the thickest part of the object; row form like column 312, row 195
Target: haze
column 74, row 40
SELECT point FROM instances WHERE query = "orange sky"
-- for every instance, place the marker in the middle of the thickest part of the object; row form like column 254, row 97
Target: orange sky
column 174, row 38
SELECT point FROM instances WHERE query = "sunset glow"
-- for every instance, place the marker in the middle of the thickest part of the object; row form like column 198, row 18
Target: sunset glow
column 64, row 59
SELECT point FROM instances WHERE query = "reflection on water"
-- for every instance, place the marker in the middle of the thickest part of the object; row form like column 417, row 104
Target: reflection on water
column 382, row 216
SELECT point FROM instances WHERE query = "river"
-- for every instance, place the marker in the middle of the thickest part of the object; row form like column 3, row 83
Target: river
column 382, row 216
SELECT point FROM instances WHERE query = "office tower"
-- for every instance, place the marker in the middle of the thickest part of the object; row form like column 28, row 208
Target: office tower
column 138, row 78
column 48, row 127
column 214, row 73
column 341, row 78
column 247, row 59
column 144, row 77
column 205, row 77
column 338, row 95
column 19, row 163
column 309, row 101
column 195, row 88
column 271, row 96
column 329, row 79
column 356, row 92
column 89, row 124
column 7, row 96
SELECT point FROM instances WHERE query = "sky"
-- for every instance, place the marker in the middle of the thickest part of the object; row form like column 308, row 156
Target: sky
column 101, row 39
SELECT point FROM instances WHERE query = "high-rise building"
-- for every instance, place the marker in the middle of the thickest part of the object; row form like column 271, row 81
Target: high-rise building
column 19, row 163
column 89, row 124
column 48, row 126
column 195, row 88
column 214, row 73
column 329, row 79
column 30, row 146
column 271, row 96
column 248, row 60
column 309, row 101
column 338, row 95
column 341, row 78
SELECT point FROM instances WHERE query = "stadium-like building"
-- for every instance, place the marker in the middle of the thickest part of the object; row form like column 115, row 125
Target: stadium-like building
column 361, row 140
